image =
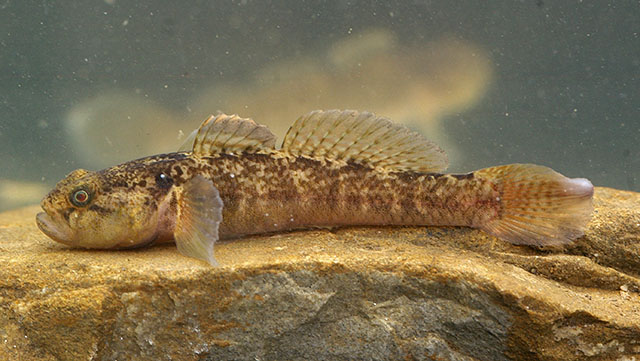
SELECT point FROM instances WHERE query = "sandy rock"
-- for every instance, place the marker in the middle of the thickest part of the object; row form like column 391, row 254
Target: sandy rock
column 357, row 293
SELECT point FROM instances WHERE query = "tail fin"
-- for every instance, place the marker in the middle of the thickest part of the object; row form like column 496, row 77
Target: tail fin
column 538, row 205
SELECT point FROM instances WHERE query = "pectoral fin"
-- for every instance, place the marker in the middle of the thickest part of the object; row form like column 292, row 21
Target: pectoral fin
column 199, row 214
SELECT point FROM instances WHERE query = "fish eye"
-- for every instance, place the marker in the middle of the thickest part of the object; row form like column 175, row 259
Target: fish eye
column 163, row 180
column 80, row 197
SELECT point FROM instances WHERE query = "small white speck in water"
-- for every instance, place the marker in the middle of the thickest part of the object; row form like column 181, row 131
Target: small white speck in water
column 266, row 214
column 232, row 175
column 498, row 199
column 275, row 224
column 291, row 219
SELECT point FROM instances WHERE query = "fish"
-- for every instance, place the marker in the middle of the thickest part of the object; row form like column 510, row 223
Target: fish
column 335, row 168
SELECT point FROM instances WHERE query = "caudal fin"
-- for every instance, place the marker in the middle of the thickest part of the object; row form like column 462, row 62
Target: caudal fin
column 538, row 205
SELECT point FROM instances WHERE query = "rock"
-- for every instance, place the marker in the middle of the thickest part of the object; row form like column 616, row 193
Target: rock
column 357, row 293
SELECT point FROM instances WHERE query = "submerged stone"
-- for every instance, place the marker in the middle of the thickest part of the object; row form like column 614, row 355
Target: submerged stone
column 417, row 293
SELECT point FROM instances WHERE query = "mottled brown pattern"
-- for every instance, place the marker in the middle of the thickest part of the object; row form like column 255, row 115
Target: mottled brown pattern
column 335, row 168
column 275, row 192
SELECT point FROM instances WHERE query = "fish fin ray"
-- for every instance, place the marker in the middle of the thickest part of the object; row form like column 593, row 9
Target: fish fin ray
column 363, row 138
column 230, row 133
column 187, row 145
column 538, row 205
column 199, row 215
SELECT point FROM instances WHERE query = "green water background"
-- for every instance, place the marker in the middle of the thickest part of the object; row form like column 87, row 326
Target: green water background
column 565, row 91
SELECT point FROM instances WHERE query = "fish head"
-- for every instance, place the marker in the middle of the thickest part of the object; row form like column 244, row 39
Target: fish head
column 87, row 209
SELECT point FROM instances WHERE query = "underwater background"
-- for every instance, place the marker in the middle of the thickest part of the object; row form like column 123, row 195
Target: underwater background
column 94, row 83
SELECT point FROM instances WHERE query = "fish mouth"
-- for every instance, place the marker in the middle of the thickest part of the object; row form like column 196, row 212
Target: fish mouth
column 56, row 231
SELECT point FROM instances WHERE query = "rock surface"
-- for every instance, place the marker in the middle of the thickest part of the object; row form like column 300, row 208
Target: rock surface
column 347, row 294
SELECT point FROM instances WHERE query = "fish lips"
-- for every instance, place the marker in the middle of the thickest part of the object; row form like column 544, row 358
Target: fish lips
column 55, row 230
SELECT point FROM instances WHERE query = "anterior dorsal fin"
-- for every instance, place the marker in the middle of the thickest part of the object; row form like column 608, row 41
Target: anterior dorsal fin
column 363, row 138
column 187, row 145
column 230, row 133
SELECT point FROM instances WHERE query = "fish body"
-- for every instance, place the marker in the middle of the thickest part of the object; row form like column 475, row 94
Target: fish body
column 335, row 168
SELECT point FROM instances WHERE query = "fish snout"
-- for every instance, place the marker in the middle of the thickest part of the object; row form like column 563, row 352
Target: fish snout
column 55, row 230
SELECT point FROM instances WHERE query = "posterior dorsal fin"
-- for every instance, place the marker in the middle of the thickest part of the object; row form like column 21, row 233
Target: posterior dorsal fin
column 363, row 138
column 230, row 133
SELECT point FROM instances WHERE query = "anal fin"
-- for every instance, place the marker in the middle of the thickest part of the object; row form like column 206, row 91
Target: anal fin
column 199, row 215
